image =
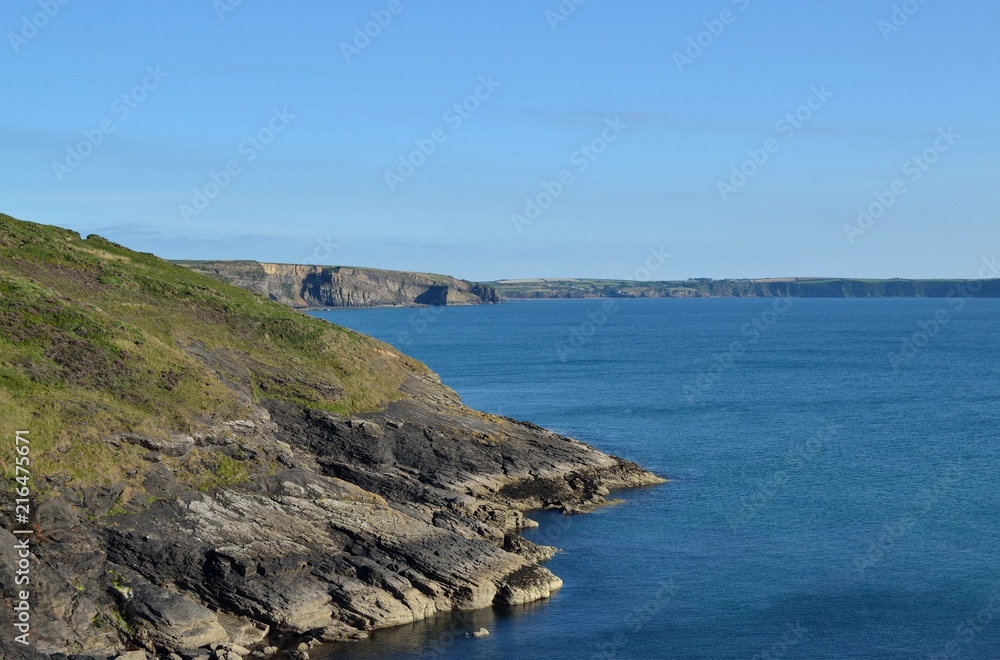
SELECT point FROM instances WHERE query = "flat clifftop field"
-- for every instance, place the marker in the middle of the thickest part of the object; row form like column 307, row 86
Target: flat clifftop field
column 212, row 469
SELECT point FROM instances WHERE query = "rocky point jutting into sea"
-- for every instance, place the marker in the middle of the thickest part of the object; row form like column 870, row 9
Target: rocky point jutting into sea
column 345, row 286
column 213, row 473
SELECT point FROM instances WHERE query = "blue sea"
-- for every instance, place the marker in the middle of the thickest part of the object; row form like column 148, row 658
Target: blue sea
column 834, row 472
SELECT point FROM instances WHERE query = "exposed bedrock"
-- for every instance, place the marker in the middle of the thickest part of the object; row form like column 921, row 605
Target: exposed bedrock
column 342, row 286
column 351, row 524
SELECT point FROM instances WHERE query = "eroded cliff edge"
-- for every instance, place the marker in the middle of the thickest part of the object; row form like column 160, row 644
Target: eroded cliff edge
column 345, row 524
column 343, row 286
column 212, row 468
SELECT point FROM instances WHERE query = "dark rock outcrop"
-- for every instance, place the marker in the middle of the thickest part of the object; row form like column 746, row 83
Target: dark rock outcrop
column 351, row 524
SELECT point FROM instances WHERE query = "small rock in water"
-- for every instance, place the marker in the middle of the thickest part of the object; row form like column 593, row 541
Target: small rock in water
column 482, row 632
column 270, row 650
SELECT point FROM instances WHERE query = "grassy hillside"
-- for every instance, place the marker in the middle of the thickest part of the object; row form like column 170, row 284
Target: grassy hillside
column 97, row 340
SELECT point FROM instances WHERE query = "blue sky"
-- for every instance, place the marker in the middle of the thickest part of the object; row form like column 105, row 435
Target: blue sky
column 327, row 122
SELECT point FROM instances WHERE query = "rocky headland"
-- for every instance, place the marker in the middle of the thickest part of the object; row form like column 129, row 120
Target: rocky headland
column 343, row 286
column 215, row 475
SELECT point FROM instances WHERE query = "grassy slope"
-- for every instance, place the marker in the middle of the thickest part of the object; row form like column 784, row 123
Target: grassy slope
column 252, row 267
column 92, row 343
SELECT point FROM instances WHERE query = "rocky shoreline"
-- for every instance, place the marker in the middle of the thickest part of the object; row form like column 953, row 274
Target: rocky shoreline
column 349, row 525
column 214, row 475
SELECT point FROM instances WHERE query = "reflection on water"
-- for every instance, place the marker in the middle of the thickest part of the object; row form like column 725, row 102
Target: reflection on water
column 434, row 637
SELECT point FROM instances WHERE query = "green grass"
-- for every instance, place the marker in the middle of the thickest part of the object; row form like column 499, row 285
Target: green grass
column 97, row 340
column 207, row 471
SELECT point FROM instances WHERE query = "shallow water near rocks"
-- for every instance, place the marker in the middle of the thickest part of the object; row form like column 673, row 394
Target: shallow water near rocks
column 834, row 493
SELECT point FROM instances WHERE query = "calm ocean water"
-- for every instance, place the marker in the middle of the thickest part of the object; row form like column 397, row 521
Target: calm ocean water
column 834, row 466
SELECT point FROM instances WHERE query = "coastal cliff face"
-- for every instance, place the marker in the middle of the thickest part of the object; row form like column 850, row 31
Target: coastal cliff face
column 805, row 287
column 341, row 286
column 213, row 473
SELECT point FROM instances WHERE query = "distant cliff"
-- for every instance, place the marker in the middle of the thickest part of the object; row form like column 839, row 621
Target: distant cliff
column 342, row 286
column 762, row 288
